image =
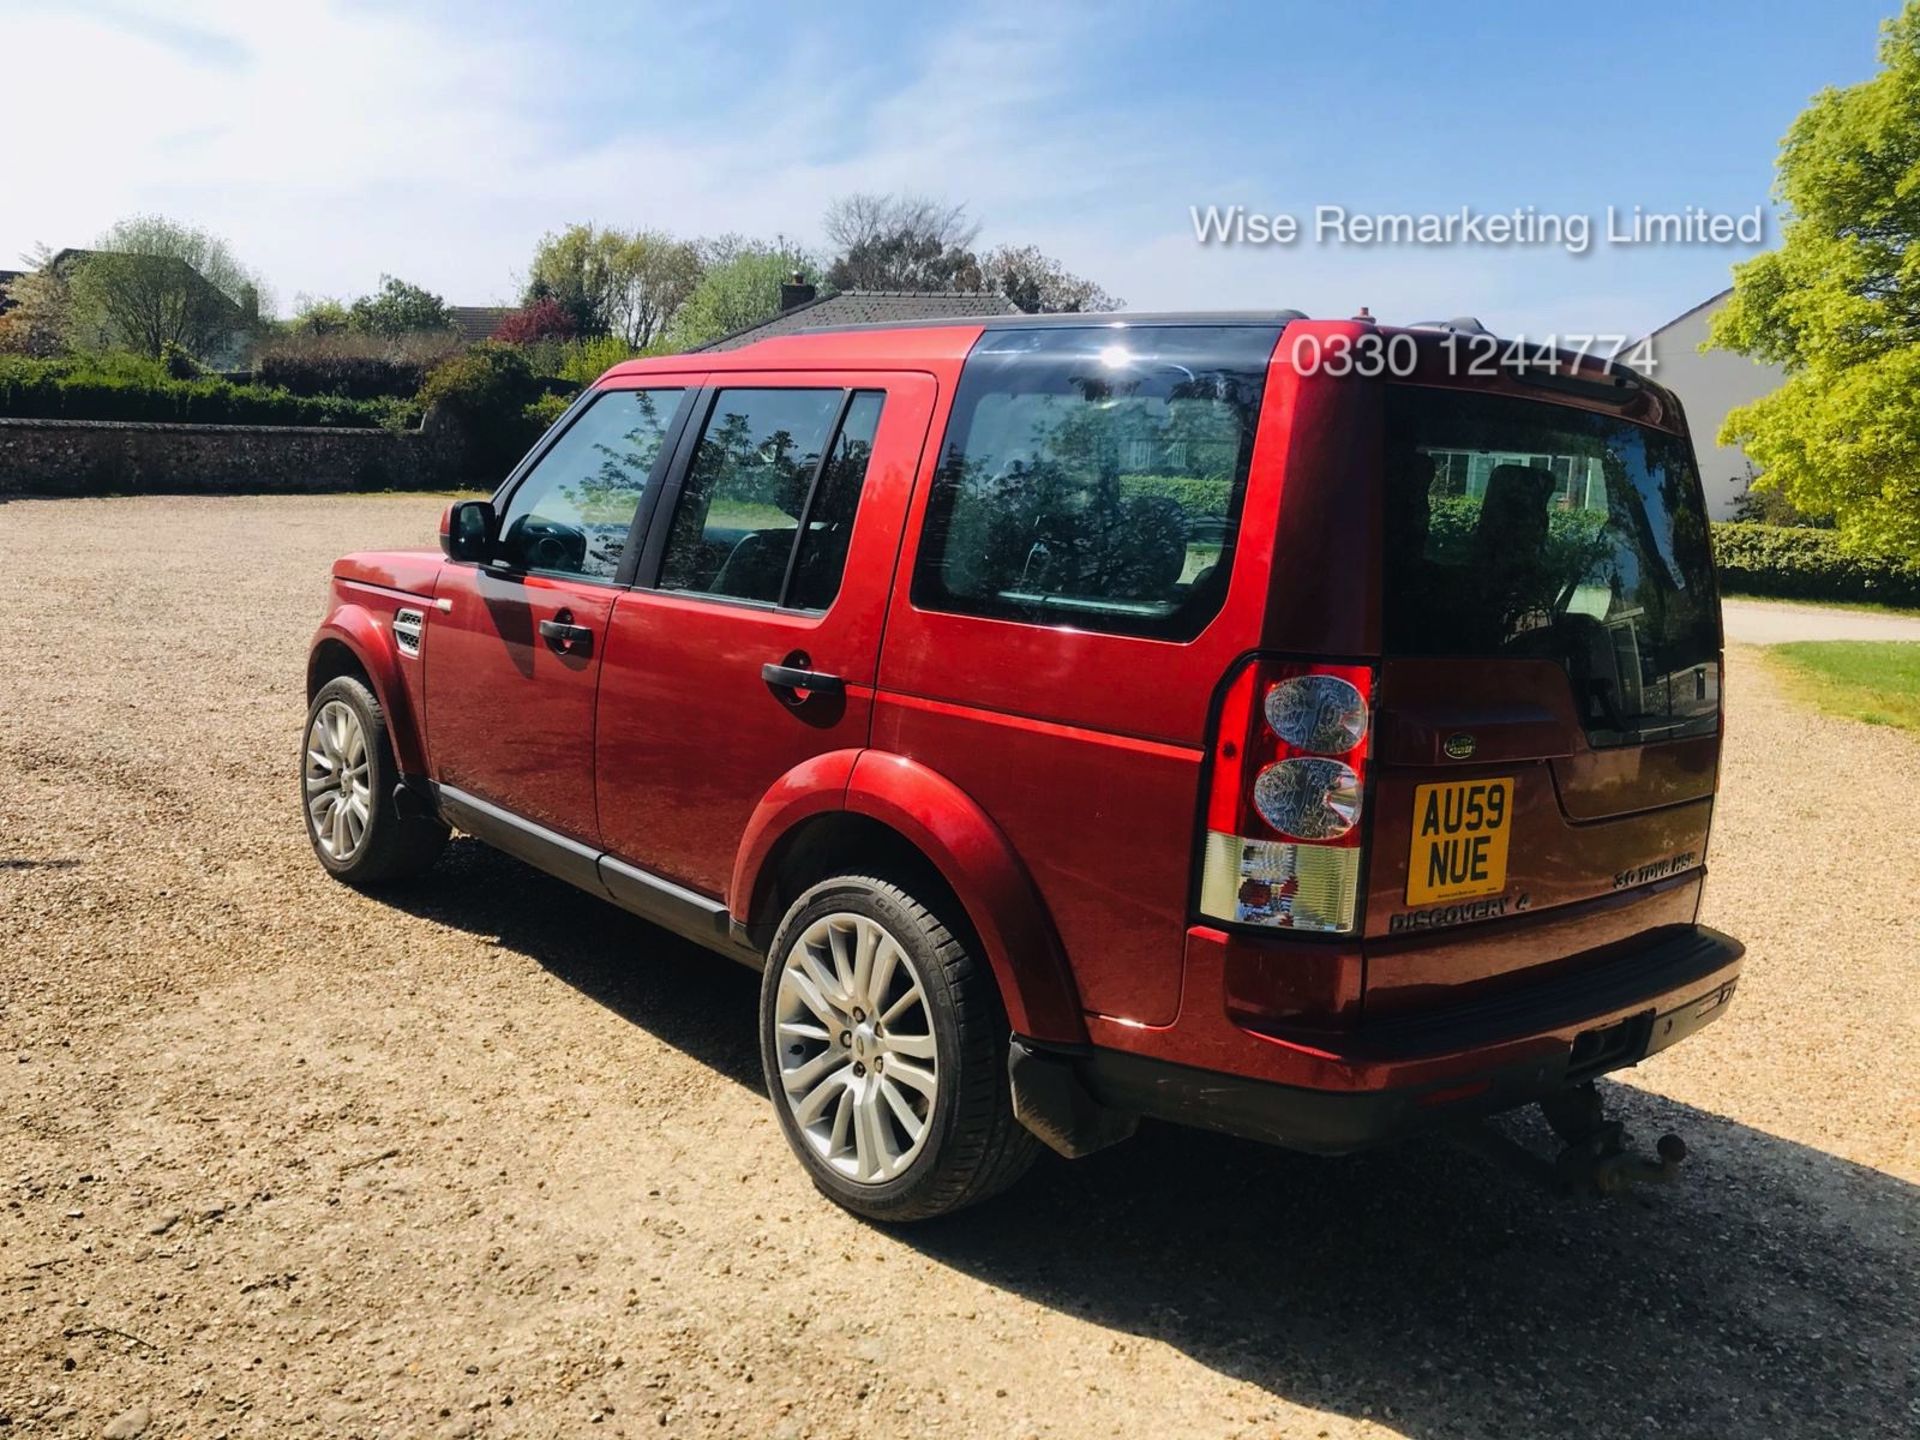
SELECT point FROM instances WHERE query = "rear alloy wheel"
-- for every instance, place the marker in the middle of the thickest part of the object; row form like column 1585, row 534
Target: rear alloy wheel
column 858, row 1063
column 347, row 777
column 884, row 1045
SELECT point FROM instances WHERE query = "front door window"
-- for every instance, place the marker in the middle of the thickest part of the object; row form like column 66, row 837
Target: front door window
column 572, row 515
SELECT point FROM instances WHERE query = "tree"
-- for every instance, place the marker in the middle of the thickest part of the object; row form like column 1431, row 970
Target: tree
column 653, row 276
column 1037, row 283
column 901, row 242
column 577, row 268
column 319, row 315
column 613, row 282
column 1838, row 305
column 150, row 282
column 398, row 308
column 740, row 287
column 38, row 320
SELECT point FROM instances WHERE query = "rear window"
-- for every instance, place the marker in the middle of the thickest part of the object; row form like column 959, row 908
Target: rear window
column 1093, row 477
column 1523, row 530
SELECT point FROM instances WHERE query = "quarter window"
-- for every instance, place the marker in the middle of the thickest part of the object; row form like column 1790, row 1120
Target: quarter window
column 823, row 543
column 1093, row 477
column 573, row 512
column 768, row 503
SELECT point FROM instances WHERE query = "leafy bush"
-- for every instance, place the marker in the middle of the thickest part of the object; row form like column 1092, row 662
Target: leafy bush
column 131, row 388
column 544, row 319
column 1805, row 564
column 1770, row 507
column 547, row 409
column 359, row 367
column 178, row 364
column 578, row 363
column 486, row 392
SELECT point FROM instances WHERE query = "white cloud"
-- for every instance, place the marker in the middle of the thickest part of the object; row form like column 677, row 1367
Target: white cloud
column 331, row 143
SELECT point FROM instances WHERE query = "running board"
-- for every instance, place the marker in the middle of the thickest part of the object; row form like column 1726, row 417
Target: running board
column 660, row 901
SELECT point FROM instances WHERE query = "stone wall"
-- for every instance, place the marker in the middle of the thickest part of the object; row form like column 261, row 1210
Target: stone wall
column 99, row 457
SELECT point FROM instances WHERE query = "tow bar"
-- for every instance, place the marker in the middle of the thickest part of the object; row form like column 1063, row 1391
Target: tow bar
column 1596, row 1158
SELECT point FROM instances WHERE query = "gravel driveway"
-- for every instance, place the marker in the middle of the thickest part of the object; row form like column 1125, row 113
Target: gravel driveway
column 1772, row 622
column 490, row 1158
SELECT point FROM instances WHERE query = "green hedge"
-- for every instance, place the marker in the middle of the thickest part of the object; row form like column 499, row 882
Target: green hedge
column 1796, row 563
column 124, row 387
column 1196, row 494
column 491, row 393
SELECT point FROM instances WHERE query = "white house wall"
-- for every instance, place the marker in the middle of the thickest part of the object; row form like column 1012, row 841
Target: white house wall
column 1709, row 386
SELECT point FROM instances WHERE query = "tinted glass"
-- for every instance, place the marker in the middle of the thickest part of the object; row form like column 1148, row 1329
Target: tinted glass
column 823, row 548
column 739, row 508
column 572, row 513
column 1527, row 530
column 1093, row 477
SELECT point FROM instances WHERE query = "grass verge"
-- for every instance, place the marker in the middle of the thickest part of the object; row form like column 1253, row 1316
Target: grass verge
column 1877, row 681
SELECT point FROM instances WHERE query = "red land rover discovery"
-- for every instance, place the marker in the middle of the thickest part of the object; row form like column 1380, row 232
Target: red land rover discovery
column 1081, row 718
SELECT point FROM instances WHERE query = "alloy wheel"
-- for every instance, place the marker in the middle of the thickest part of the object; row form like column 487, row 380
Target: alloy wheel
column 859, row 1071
column 339, row 781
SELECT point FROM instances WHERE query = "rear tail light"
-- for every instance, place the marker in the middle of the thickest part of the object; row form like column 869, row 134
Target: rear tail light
column 1289, row 786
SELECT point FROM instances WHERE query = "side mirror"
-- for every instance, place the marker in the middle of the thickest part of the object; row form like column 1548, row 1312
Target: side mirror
column 466, row 530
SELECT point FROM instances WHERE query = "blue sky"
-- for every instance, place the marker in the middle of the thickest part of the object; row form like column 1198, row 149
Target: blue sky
column 331, row 142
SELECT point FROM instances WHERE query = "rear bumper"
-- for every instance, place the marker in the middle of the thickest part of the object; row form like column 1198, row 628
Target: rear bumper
column 1375, row 1083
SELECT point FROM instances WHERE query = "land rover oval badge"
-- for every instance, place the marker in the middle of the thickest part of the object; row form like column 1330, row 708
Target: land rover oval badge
column 1459, row 747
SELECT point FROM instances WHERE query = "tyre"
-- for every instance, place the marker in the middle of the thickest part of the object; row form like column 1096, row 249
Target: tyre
column 347, row 777
column 884, row 1044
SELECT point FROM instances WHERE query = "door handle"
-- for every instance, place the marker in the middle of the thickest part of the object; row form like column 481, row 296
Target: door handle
column 787, row 681
column 563, row 637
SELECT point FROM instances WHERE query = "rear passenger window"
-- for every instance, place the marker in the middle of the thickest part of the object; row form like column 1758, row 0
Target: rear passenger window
column 774, row 469
column 1093, row 477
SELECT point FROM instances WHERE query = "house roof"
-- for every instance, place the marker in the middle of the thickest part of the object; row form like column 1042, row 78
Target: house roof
column 477, row 322
column 868, row 307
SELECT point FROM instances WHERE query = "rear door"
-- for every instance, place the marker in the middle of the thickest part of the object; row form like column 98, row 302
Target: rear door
column 1081, row 578
column 1550, row 685
column 751, row 642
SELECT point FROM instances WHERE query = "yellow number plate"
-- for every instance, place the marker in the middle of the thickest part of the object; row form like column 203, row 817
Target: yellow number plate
column 1459, row 840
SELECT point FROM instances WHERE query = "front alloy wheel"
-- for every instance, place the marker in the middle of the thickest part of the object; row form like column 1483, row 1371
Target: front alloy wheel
column 339, row 781
column 347, row 778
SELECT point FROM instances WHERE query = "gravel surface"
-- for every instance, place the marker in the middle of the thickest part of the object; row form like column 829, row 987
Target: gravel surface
column 1774, row 622
column 489, row 1158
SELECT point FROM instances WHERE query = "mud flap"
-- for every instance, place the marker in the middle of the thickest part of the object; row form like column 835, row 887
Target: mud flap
column 1050, row 1100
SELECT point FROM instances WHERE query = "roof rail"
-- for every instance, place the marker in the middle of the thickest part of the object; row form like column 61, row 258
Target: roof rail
column 1460, row 324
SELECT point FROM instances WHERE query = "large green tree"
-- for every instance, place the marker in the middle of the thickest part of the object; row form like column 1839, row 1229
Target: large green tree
column 150, row 282
column 398, row 308
column 739, row 286
column 1838, row 305
column 614, row 282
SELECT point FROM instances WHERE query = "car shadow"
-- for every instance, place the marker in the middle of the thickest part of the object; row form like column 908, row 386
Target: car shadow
column 1772, row 1290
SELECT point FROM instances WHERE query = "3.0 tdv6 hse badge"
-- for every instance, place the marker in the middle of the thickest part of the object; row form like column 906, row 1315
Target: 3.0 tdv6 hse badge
column 1074, row 718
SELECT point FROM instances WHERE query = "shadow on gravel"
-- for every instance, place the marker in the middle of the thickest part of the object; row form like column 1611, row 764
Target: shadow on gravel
column 1773, row 1290
column 690, row 998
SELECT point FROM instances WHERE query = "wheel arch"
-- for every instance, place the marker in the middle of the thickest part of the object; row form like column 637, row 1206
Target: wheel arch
column 865, row 811
column 349, row 642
